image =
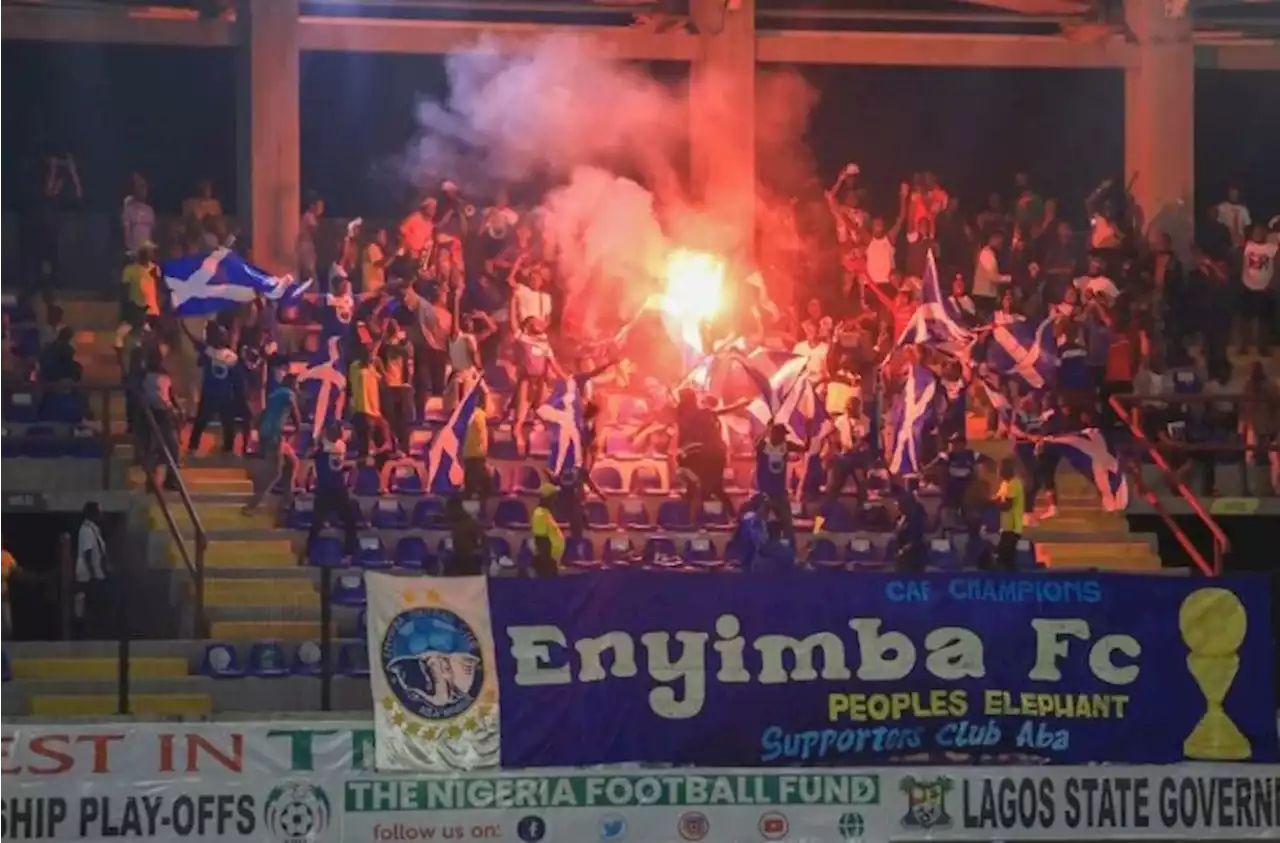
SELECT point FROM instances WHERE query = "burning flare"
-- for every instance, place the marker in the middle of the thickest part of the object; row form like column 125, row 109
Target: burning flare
column 695, row 286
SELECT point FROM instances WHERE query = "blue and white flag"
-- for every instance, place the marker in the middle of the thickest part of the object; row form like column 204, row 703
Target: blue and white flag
column 324, row 380
column 936, row 323
column 203, row 284
column 912, row 410
column 1024, row 352
column 1089, row 452
column 562, row 414
column 444, row 454
column 787, row 397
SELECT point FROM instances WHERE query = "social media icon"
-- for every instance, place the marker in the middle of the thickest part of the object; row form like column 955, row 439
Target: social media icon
column 613, row 827
column 694, row 825
column 773, row 826
column 531, row 829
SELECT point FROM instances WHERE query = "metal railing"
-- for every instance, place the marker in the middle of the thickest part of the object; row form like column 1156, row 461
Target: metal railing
column 192, row 557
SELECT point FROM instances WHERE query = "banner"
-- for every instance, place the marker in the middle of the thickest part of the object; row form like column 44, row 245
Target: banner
column 432, row 672
column 835, row 670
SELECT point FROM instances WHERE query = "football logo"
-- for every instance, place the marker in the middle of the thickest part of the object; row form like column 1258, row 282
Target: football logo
column 296, row 812
column 433, row 663
column 694, row 825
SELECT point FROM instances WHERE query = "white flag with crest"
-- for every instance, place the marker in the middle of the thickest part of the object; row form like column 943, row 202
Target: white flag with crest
column 433, row 673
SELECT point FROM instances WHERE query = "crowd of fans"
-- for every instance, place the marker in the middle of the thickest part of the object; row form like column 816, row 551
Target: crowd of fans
column 417, row 315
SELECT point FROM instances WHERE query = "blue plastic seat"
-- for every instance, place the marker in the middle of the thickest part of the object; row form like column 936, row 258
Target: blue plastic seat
column 325, row 552
column 353, row 659
column 21, row 407
column 529, row 480
column 348, row 590
column 540, row 442
column 300, row 514
column 943, row 554
column 700, row 549
column 412, row 553
column 306, row 659
column 596, row 514
column 823, row 553
column 836, row 518
column 367, row 483
column 405, row 480
column 390, row 514
column 619, row 550
column 646, row 480
column 863, row 553
column 607, row 478
column 674, row 515
column 85, row 443
column 713, row 516
column 372, row 554
column 511, row 514
column 445, row 547
column 362, row 623
column 428, row 514
column 498, row 547
column 502, row 445
column 61, row 405
column 220, row 661
column 267, row 660
column 579, row 550
column 659, row 547
column 632, row 515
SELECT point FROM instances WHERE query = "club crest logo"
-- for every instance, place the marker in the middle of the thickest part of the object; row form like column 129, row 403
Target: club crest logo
column 926, row 802
column 432, row 661
column 296, row 812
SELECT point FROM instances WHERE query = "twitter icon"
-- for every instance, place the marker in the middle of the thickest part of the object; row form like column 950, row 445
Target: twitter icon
column 613, row 827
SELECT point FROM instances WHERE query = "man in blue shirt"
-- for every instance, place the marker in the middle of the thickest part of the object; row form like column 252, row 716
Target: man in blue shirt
column 957, row 467
column 772, row 453
column 332, row 496
column 909, row 532
column 220, row 388
column 279, row 459
column 760, row 543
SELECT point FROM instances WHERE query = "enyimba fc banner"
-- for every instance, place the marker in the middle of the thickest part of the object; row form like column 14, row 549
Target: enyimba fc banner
column 835, row 669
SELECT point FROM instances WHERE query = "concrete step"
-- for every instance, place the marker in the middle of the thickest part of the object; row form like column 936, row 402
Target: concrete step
column 97, row 669
column 100, row 705
column 266, row 630
column 214, row 516
column 260, row 592
column 245, row 554
column 1113, row 556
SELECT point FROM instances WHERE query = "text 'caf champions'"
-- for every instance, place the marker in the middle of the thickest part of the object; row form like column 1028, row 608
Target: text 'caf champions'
column 544, row 656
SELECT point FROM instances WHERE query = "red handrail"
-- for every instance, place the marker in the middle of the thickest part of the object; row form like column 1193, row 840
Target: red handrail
column 1221, row 544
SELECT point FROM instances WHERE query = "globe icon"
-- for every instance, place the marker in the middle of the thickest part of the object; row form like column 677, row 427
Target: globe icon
column 852, row 826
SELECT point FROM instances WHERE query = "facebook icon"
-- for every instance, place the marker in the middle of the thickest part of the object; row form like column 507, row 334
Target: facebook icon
column 531, row 829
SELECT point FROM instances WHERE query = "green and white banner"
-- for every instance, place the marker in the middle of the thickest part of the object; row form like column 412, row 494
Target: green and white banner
column 314, row 782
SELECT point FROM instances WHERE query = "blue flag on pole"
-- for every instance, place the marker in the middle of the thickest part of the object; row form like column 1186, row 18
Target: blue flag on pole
column 1089, row 453
column 562, row 414
column 444, row 454
column 787, row 397
column 325, row 381
column 1024, row 352
column 936, row 323
column 203, row 284
column 912, row 410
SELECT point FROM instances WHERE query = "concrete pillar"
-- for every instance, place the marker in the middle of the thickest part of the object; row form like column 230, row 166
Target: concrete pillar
column 1159, row 122
column 268, row 143
column 722, row 113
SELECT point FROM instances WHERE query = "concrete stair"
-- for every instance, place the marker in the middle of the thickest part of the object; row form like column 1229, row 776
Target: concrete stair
column 95, row 669
column 105, row 705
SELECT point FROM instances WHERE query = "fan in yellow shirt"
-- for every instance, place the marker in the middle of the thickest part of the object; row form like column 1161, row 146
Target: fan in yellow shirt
column 548, row 538
column 140, row 280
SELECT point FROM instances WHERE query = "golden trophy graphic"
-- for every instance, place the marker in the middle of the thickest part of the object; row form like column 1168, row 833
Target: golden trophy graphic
column 1213, row 623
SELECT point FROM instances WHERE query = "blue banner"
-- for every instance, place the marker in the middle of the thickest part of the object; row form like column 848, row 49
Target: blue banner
column 758, row 670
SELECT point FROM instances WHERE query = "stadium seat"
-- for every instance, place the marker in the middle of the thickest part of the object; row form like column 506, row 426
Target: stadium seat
column 529, row 480
column 619, row 550
column 412, row 554
column 617, row 445
column 700, row 549
column 428, row 514
column 539, row 442
column 824, row 554
column 390, row 514
column 85, row 443
column 596, row 514
column 267, row 660
column 405, row 479
column 353, row 659
column 607, row 478
column 799, row 518
column 524, row 556
column 220, row 661
column 367, row 483
column 646, row 480
column 306, row 659
column 419, row 442
column 1025, row 555
column 362, row 623
column 502, row 445
column 372, row 554
column 660, row 549
column 498, row 547
column 511, row 514
column 60, row 405
column 300, row 514
column 674, row 515
column 943, row 554
column 445, row 547
column 632, row 515
column 836, row 518
column 348, row 590
column 731, row 484
column 579, row 551
column 325, row 552
column 862, row 553
column 713, row 516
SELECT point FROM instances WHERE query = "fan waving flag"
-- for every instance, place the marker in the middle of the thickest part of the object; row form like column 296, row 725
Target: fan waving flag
column 1024, row 352
column 444, row 454
column 562, row 414
column 936, row 323
column 787, row 397
column 325, row 383
column 912, row 411
column 203, row 284
column 1089, row 452
column 433, row 673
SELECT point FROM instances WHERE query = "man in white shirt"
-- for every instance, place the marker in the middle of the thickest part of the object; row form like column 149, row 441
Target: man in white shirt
column 528, row 299
column 1257, row 270
column 1235, row 216
column 137, row 218
column 431, row 346
column 988, row 281
column 91, row 570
